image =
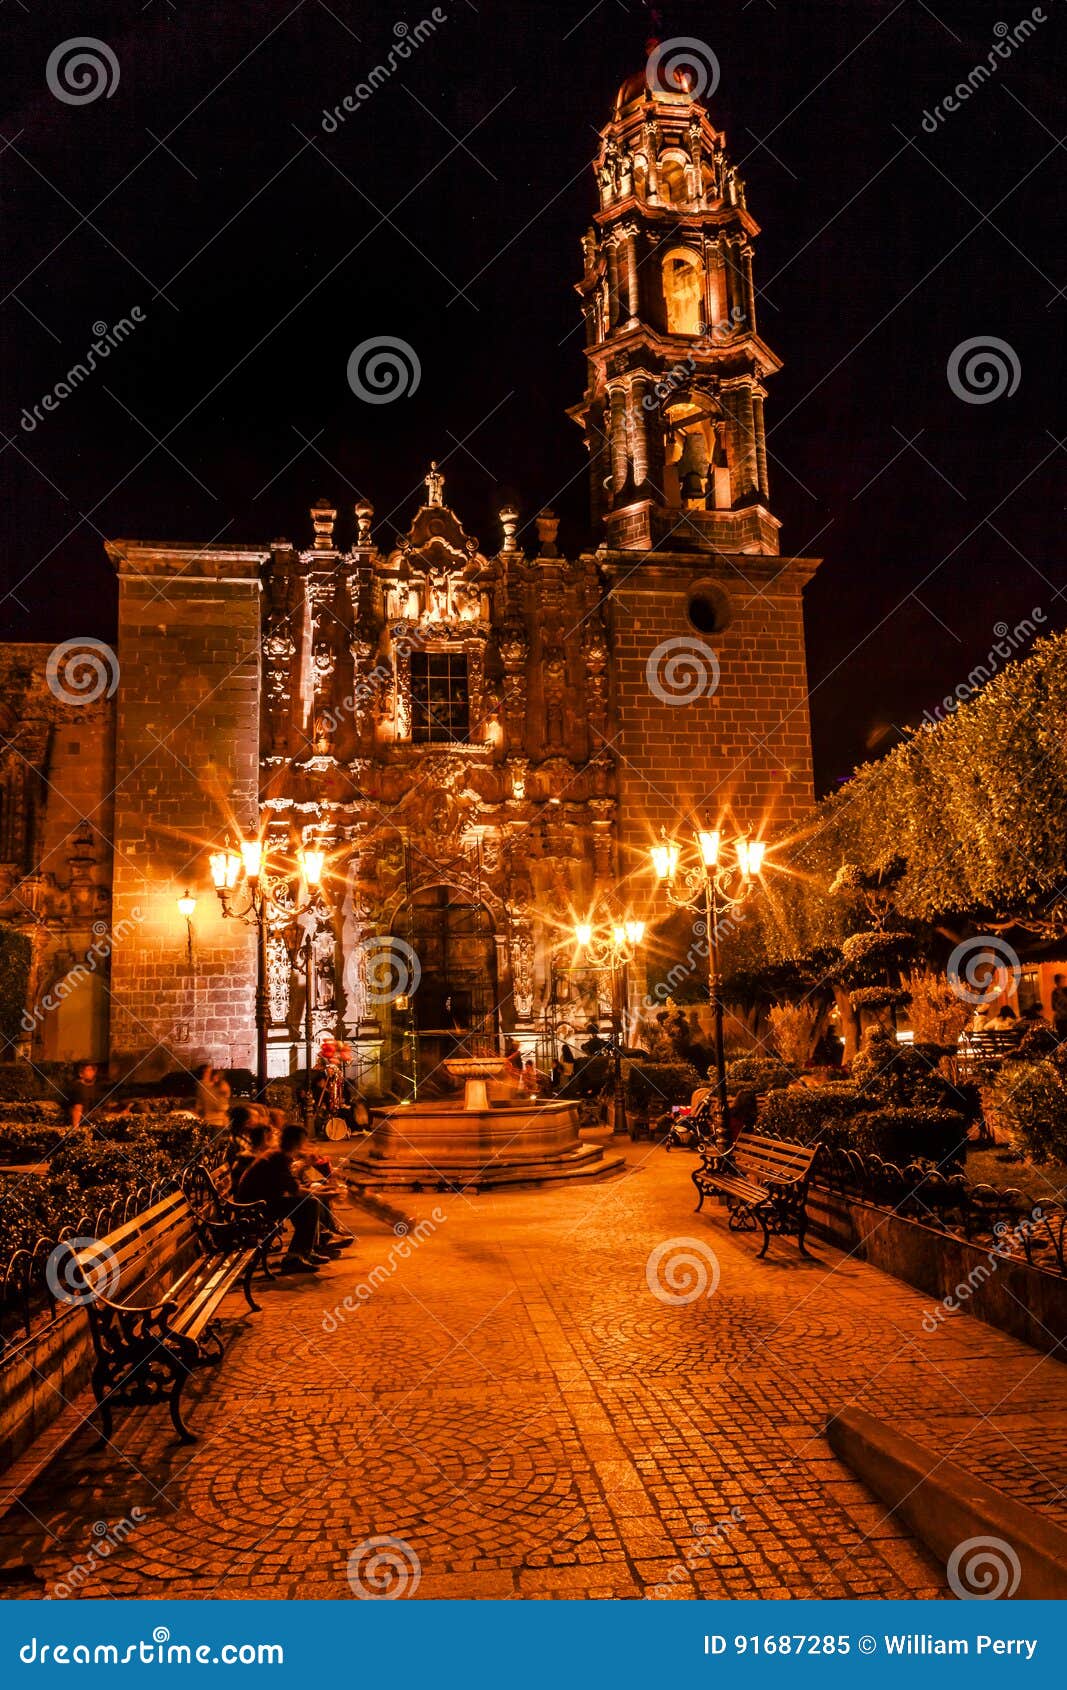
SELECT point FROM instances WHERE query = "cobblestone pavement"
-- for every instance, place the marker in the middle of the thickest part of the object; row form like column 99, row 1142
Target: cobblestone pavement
column 508, row 1399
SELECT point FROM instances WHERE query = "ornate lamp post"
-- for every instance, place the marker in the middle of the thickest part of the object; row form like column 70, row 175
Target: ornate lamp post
column 610, row 947
column 710, row 882
column 264, row 907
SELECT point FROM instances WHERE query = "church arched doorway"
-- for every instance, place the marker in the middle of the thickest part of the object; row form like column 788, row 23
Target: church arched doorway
column 456, row 1005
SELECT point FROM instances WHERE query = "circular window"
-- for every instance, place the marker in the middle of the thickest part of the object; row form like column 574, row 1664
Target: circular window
column 708, row 607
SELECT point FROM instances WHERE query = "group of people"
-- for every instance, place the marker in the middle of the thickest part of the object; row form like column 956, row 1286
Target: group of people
column 1001, row 1018
column 270, row 1162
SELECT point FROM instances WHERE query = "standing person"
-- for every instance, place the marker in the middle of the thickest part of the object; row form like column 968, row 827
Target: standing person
column 212, row 1096
column 82, row 1095
column 1059, row 1007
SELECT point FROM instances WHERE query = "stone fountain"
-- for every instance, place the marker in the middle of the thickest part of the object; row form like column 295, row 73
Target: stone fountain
column 493, row 1137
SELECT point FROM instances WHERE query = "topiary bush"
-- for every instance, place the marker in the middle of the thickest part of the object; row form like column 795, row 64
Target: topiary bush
column 813, row 1112
column 1030, row 1100
column 910, row 1135
column 759, row 1074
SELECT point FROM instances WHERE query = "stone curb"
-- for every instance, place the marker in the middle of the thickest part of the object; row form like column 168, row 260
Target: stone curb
column 946, row 1507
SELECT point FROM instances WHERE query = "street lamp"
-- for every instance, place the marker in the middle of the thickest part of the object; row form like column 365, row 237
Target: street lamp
column 265, row 908
column 713, row 880
column 611, row 948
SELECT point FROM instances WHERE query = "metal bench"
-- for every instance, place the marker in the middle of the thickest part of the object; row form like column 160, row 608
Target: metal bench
column 145, row 1349
column 764, row 1181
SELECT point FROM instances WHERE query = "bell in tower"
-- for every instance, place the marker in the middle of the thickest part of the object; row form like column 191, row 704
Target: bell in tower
column 673, row 407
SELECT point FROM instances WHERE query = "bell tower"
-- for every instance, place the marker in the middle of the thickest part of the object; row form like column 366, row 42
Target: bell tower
column 709, row 679
column 673, row 407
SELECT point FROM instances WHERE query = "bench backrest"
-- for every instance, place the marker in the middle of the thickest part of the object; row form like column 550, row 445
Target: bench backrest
column 772, row 1158
column 135, row 1260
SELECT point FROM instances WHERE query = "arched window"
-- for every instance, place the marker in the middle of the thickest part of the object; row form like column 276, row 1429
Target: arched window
column 683, row 291
column 673, row 186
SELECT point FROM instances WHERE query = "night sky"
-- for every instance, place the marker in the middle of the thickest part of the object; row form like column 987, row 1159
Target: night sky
column 447, row 210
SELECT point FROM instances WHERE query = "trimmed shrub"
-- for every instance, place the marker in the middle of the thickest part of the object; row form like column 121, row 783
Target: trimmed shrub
column 759, row 1074
column 810, row 1112
column 28, row 1141
column 1030, row 1099
column 26, row 1114
column 911, row 1135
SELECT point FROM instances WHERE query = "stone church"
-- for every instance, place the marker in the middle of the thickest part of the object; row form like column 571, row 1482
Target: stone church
column 483, row 739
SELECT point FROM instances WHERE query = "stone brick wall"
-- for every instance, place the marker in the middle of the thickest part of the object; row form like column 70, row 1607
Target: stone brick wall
column 739, row 751
column 187, row 753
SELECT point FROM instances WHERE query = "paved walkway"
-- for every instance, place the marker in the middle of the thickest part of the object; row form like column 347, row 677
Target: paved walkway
column 509, row 1401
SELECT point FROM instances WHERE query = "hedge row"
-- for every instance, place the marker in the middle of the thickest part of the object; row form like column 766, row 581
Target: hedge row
column 88, row 1173
column 843, row 1117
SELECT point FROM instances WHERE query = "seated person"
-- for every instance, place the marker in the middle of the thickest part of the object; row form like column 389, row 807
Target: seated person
column 315, row 1174
column 269, row 1179
column 249, row 1138
column 741, row 1113
column 594, row 1044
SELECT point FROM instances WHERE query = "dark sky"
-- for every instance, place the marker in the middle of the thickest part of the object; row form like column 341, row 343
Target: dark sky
column 261, row 250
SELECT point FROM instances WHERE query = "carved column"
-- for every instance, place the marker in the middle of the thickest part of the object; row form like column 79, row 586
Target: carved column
column 402, row 693
column 639, row 428
column 596, row 686
column 554, row 672
column 761, row 444
column 620, row 460
column 513, row 652
column 749, row 288
column 735, row 288
column 611, row 251
column 652, row 149
column 747, row 470
column 632, row 283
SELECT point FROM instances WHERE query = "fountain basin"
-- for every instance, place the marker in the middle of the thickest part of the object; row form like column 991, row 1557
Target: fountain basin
column 445, row 1143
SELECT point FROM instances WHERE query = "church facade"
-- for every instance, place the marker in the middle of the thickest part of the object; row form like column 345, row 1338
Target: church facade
column 483, row 738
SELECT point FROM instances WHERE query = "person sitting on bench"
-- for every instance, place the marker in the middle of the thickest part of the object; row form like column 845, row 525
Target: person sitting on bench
column 251, row 1139
column 270, row 1179
column 316, row 1175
